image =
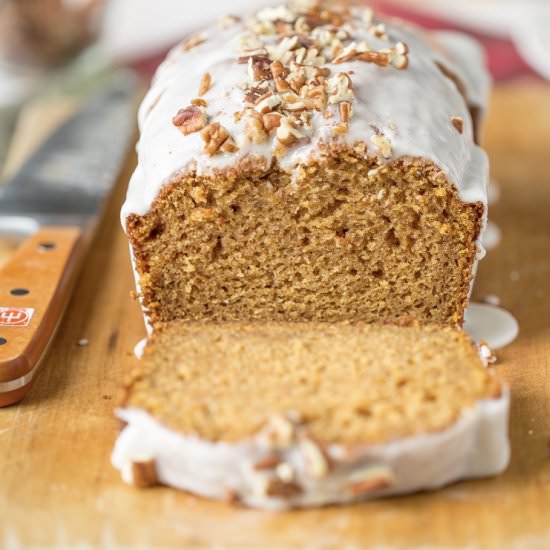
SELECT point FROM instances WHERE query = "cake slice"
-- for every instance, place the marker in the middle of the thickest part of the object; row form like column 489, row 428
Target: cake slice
column 282, row 415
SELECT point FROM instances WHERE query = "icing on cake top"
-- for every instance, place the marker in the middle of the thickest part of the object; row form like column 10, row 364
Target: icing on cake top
column 279, row 85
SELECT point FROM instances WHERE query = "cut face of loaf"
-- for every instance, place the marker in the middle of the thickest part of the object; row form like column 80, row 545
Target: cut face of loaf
column 284, row 414
column 341, row 240
column 311, row 162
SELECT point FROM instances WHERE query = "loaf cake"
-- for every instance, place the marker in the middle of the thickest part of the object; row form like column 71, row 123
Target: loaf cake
column 281, row 415
column 310, row 163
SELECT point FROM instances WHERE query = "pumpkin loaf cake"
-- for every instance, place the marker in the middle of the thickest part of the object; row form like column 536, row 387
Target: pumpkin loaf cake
column 310, row 163
column 280, row 415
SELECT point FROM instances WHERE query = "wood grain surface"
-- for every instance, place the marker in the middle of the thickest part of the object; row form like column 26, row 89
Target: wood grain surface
column 57, row 485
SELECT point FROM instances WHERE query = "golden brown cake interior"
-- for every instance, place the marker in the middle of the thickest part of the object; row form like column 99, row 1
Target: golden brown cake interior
column 343, row 241
column 349, row 383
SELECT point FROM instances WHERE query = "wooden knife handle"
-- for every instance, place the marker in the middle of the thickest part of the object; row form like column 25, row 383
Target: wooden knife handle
column 35, row 286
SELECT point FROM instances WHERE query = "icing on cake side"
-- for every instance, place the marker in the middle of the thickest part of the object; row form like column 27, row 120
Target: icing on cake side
column 475, row 446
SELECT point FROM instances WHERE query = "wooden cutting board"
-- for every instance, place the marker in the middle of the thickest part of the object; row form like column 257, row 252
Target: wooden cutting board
column 57, row 486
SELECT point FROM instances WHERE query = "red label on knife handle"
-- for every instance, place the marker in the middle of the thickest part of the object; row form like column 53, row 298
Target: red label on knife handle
column 35, row 286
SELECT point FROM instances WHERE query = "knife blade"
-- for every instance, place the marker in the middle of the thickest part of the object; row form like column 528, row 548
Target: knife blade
column 56, row 198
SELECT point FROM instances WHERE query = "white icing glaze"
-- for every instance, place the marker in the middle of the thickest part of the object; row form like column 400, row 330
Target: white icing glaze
column 491, row 324
column 411, row 107
column 491, row 236
column 467, row 61
column 139, row 348
column 475, row 446
column 493, row 191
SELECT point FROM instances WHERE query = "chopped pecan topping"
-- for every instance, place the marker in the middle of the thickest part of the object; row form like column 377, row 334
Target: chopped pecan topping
column 317, row 96
column 192, row 42
column 190, row 119
column 269, row 462
column 378, row 30
column 199, row 102
column 487, row 354
column 458, row 123
column 285, row 472
column 368, row 486
column 144, row 473
column 271, row 121
column 316, row 458
column 382, row 144
column 254, row 127
column 267, row 103
column 287, row 49
column 231, row 496
column 277, row 70
column 398, row 56
column 216, row 138
column 340, row 88
column 277, row 488
column 253, row 95
column 296, row 80
column 259, row 68
column 228, row 21
column 279, row 432
column 206, row 82
column 370, row 479
column 379, row 58
column 345, row 111
column 287, row 133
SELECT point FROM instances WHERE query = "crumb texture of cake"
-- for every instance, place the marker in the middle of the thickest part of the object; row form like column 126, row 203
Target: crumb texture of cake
column 311, row 162
column 298, row 414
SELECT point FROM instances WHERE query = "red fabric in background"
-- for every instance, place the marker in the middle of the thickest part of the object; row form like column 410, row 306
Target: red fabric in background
column 503, row 58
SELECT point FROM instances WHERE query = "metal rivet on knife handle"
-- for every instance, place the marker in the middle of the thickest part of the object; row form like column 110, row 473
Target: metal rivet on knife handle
column 30, row 328
column 19, row 291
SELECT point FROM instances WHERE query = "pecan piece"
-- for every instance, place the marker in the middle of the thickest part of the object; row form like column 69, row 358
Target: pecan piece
column 258, row 68
column 316, row 458
column 216, row 138
column 254, row 127
column 370, row 480
column 269, row 462
column 287, row 134
column 199, row 102
column 206, row 82
column 379, row 58
column 190, row 119
column 345, row 111
column 144, row 473
column 271, row 121
column 458, row 123
column 283, row 489
column 368, row 486
column 192, row 42
column 382, row 144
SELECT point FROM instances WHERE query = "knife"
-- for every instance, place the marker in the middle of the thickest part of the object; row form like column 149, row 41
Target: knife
column 55, row 200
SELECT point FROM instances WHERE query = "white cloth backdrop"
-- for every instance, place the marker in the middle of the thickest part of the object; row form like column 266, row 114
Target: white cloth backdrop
column 137, row 27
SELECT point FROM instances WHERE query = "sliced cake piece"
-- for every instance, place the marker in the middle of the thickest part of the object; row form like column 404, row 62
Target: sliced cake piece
column 281, row 415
